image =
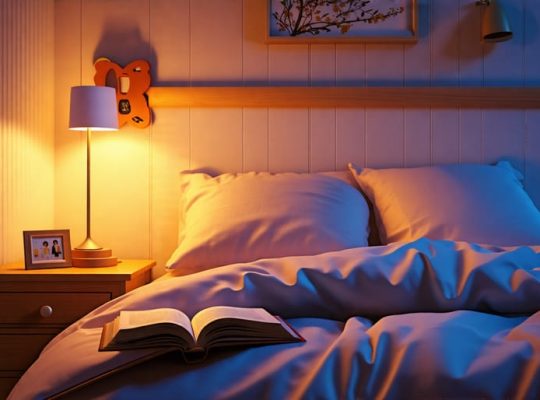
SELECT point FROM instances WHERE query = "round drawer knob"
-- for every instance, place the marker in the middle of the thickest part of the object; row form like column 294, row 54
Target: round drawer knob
column 46, row 311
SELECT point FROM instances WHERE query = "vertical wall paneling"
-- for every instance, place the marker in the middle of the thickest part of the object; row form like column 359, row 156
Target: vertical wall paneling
column 471, row 136
column 384, row 127
column 503, row 62
column 288, row 64
column 169, row 34
column 417, row 56
column 70, row 205
column 417, row 145
column 255, row 139
column 504, row 136
column 322, row 123
column 199, row 42
column 120, row 159
column 384, row 138
column 470, row 47
column 216, row 41
column 170, row 38
column 216, row 139
column 443, row 41
column 254, row 49
column 444, row 136
column 170, row 155
column 350, row 64
column 322, row 139
column 350, row 124
column 255, row 67
column 531, row 59
column 26, row 122
column 350, row 138
column 531, row 42
column 384, row 64
column 322, row 64
column 416, row 72
column 288, row 140
column 532, row 155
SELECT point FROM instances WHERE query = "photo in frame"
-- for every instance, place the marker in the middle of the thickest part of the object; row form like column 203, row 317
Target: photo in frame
column 333, row 21
column 47, row 249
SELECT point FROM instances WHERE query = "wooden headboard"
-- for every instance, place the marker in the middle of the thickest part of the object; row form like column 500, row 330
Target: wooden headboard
column 275, row 96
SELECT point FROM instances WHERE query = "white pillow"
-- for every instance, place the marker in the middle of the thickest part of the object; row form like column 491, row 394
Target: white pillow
column 243, row 217
column 476, row 203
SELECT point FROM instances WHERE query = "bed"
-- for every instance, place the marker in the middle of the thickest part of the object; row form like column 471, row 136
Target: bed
column 405, row 283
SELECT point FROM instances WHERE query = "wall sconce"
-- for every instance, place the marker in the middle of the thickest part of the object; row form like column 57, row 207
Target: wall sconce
column 92, row 108
column 495, row 25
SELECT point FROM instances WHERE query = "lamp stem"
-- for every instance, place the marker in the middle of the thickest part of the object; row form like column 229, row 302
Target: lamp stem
column 88, row 173
column 88, row 243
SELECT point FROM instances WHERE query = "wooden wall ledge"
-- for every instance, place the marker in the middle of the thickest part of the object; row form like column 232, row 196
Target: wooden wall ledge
column 286, row 96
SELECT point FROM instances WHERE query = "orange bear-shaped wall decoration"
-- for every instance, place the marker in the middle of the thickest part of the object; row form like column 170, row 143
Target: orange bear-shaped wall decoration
column 132, row 82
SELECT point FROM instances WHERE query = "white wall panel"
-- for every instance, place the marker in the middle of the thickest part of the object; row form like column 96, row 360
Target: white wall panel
column 216, row 139
column 503, row 62
column 120, row 160
column 254, row 48
column 322, row 64
column 170, row 38
column 288, row 64
column 444, row 46
column 288, row 140
column 384, row 138
column 531, row 42
column 417, row 56
column 170, row 139
column 322, row 140
column 350, row 137
column 255, row 139
column 470, row 47
column 384, row 64
column 532, row 154
column 194, row 42
column 417, row 142
column 444, row 136
column 471, row 136
column 350, row 64
column 26, row 122
column 216, row 41
column 504, row 136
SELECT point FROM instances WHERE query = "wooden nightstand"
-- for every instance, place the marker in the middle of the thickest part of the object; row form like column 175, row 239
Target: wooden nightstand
column 67, row 294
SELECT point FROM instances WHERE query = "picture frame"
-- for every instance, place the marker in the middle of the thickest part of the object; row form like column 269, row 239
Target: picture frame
column 342, row 21
column 47, row 249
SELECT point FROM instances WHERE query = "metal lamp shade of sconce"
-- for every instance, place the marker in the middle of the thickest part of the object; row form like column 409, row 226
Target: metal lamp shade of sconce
column 92, row 108
column 495, row 25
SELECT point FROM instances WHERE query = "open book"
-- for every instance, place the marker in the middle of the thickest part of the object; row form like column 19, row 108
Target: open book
column 220, row 326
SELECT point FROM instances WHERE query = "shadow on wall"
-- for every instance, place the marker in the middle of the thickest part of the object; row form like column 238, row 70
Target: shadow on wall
column 123, row 43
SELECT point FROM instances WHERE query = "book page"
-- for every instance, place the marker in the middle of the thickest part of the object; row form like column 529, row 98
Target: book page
column 208, row 315
column 137, row 319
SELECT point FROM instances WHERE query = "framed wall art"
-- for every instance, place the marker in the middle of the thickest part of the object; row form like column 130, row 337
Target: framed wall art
column 332, row 21
column 47, row 249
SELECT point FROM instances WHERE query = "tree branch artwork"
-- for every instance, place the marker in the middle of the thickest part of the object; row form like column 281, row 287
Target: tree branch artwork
column 313, row 17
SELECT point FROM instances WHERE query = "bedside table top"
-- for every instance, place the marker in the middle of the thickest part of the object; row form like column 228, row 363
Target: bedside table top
column 124, row 270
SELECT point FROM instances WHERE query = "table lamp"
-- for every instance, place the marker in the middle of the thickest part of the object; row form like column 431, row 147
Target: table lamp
column 92, row 108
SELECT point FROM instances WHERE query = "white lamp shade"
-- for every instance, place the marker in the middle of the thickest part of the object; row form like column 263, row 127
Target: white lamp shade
column 93, row 107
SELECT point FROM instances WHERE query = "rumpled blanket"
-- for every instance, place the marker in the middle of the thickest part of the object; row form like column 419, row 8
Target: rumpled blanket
column 426, row 319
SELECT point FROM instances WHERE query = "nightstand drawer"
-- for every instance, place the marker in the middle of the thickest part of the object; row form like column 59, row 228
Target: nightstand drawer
column 20, row 350
column 24, row 308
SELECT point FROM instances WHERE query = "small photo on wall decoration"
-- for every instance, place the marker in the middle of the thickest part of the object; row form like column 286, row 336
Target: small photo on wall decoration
column 331, row 21
column 131, row 83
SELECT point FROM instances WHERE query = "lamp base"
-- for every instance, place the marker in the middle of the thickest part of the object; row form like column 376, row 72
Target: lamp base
column 93, row 258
